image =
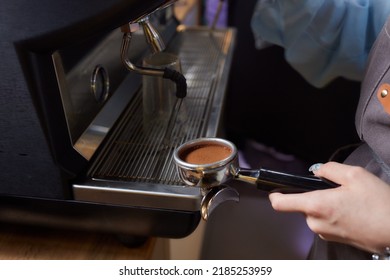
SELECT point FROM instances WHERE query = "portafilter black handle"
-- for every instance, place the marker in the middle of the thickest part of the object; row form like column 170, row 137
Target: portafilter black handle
column 275, row 181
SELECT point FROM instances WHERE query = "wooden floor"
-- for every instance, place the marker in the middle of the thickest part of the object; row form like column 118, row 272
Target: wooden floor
column 27, row 243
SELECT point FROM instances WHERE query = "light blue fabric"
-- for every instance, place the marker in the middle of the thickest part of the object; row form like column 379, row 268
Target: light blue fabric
column 323, row 39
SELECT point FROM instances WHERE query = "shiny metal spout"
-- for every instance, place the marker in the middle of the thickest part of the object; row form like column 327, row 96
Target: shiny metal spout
column 153, row 38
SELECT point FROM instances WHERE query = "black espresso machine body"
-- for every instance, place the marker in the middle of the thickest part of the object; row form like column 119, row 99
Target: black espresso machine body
column 69, row 107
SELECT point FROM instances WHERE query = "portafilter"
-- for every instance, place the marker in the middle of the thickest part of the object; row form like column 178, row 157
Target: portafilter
column 209, row 163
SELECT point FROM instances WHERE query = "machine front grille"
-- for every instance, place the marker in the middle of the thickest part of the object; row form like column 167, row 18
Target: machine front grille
column 132, row 154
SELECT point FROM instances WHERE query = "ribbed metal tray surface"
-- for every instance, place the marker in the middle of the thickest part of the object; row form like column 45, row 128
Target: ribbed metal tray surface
column 133, row 154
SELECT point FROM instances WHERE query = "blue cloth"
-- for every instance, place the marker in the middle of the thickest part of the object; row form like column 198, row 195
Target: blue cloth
column 323, row 39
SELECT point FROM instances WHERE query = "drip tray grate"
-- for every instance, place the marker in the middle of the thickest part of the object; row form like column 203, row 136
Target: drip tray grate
column 133, row 154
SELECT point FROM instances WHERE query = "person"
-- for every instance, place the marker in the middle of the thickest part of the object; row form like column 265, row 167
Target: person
column 322, row 40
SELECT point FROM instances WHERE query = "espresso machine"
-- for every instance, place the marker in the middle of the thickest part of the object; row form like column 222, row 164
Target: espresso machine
column 73, row 152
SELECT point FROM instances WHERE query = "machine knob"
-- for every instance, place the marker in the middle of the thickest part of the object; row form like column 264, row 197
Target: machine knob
column 100, row 83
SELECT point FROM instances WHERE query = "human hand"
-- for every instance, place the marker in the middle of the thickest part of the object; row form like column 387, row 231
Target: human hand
column 356, row 213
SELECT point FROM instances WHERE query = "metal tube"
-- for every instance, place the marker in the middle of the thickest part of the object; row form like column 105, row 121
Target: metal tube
column 132, row 67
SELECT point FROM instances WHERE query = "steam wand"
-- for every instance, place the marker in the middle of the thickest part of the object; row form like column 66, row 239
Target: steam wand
column 154, row 40
column 167, row 73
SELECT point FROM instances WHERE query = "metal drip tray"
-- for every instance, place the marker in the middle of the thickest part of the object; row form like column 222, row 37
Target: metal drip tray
column 134, row 167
